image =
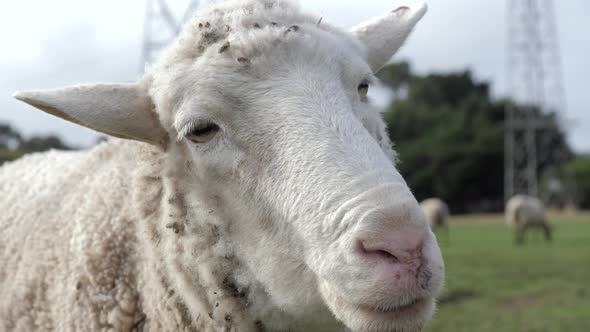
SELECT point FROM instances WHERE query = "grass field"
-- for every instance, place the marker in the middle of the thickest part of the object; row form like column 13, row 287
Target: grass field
column 493, row 285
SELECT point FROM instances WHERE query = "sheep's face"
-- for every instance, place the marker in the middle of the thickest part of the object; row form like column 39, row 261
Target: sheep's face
column 272, row 135
column 280, row 138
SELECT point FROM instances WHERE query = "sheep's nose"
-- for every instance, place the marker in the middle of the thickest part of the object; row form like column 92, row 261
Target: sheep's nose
column 402, row 247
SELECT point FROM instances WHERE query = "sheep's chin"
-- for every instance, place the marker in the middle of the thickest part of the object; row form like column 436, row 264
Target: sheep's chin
column 361, row 318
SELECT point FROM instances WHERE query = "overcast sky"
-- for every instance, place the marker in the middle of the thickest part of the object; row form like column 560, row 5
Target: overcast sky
column 59, row 42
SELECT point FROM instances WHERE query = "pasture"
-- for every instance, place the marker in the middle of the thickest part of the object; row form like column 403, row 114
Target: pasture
column 493, row 285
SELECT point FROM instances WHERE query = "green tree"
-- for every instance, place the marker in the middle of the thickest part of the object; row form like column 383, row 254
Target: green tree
column 9, row 137
column 13, row 145
column 449, row 134
column 396, row 76
column 580, row 169
column 43, row 143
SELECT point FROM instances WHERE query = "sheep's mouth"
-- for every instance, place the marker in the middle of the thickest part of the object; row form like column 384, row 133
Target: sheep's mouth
column 409, row 309
column 390, row 314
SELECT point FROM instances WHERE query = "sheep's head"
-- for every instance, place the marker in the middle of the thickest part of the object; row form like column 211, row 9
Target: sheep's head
column 263, row 112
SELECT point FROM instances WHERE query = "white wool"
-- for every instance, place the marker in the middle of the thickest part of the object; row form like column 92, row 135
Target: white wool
column 65, row 243
column 105, row 206
column 436, row 211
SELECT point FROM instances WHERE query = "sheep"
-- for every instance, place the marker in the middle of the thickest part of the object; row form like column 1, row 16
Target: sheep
column 526, row 212
column 437, row 214
column 249, row 186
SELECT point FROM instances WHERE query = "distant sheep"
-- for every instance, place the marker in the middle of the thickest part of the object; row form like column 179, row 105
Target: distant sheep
column 255, row 190
column 526, row 212
column 437, row 214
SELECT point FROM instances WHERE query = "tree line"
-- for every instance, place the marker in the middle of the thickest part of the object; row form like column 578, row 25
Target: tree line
column 13, row 144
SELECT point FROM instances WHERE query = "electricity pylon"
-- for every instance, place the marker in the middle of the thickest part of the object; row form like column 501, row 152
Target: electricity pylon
column 534, row 80
column 160, row 27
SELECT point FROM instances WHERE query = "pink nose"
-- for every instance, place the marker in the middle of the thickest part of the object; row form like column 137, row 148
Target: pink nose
column 396, row 250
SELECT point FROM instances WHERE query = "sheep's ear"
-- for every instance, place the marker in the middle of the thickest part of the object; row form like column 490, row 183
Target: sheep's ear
column 121, row 110
column 383, row 36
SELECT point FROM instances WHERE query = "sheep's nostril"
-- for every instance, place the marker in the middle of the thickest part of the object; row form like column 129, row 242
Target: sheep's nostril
column 380, row 254
column 402, row 248
column 385, row 255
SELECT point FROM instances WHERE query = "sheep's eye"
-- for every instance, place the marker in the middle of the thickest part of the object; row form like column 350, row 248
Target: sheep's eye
column 203, row 133
column 363, row 89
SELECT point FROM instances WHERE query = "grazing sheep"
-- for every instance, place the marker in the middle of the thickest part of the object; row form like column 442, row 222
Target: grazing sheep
column 437, row 214
column 526, row 212
column 255, row 190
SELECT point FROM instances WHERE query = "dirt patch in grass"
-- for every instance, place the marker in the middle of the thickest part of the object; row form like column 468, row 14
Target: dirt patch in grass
column 479, row 218
column 455, row 296
column 519, row 302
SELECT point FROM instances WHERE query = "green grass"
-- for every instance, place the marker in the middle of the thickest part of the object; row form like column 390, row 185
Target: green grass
column 8, row 155
column 493, row 285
